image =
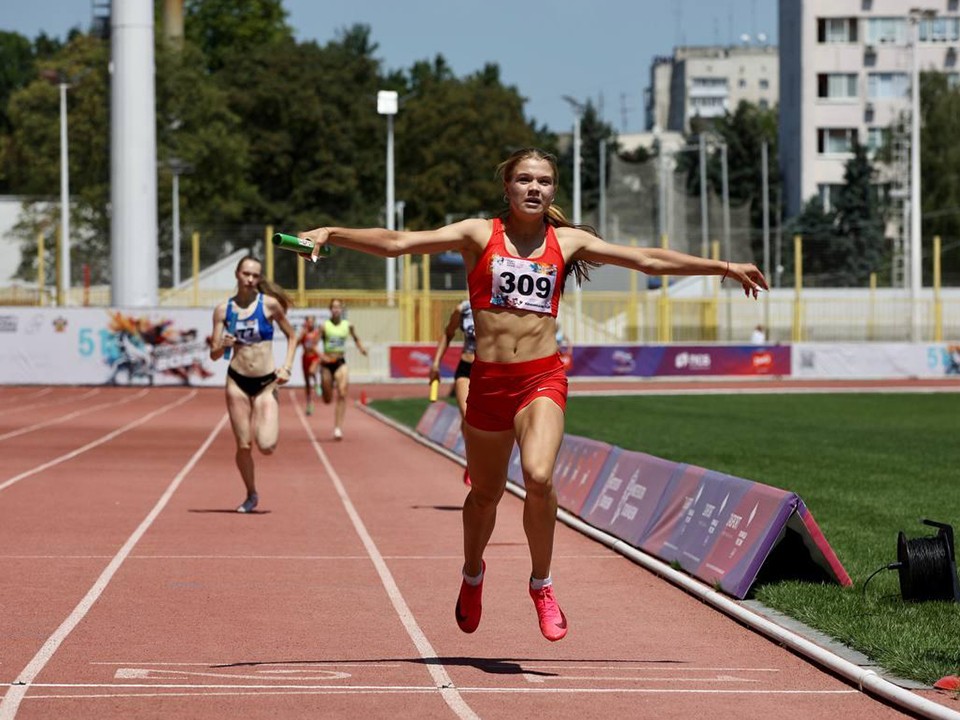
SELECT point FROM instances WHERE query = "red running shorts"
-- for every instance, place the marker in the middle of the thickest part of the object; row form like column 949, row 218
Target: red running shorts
column 498, row 391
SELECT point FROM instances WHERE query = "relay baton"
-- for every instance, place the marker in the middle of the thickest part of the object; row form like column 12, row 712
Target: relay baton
column 297, row 245
column 434, row 390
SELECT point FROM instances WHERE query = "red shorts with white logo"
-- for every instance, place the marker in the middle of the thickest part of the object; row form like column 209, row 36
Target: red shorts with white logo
column 498, row 391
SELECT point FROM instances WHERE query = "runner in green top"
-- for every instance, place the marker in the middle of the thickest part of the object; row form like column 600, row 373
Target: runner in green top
column 333, row 367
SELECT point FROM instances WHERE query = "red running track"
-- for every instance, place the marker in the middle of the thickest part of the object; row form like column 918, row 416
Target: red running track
column 130, row 588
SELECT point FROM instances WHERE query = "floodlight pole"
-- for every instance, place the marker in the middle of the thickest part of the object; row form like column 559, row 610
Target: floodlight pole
column 64, row 198
column 387, row 104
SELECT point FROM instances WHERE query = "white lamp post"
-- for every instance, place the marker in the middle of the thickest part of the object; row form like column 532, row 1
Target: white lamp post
column 60, row 80
column 916, row 15
column 387, row 103
column 578, row 109
column 64, row 197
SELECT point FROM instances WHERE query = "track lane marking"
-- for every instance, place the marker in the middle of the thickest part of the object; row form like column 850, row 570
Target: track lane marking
column 74, row 414
column 90, row 445
column 439, row 674
column 55, row 403
column 18, row 690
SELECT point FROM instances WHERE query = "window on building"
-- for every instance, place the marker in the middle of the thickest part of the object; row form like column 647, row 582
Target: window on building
column 837, row 86
column 763, row 104
column 764, row 83
column 837, row 30
column 828, row 193
column 887, row 85
column 742, row 83
column 708, row 83
column 835, row 141
column 876, row 139
column 943, row 30
column 886, row 31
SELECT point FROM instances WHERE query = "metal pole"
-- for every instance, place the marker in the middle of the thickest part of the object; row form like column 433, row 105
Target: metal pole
column 390, row 213
column 603, row 189
column 766, row 232
column 175, row 251
column 725, row 181
column 64, row 198
column 576, row 168
column 704, row 221
column 915, row 209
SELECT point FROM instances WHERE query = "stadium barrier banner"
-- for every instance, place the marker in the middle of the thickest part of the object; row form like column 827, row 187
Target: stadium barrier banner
column 876, row 360
column 719, row 528
column 679, row 360
column 114, row 346
column 579, row 463
column 414, row 360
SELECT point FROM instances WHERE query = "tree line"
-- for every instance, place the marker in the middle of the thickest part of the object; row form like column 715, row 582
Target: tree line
column 272, row 130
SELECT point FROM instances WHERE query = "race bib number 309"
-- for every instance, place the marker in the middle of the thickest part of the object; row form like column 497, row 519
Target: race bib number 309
column 522, row 284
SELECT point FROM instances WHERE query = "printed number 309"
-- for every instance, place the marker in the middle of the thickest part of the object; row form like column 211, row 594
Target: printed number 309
column 525, row 285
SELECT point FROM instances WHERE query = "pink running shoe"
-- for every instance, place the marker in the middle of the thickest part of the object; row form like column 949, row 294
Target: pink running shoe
column 466, row 477
column 553, row 623
column 468, row 603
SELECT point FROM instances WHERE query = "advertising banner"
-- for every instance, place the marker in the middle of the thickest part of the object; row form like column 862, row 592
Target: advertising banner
column 579, row 463
column 693, row 536
column 748, row 535
column 628, row 492
column 876, row 360
column 415, row 361
column 679, row 360
column 719, row 528
column 111, row 346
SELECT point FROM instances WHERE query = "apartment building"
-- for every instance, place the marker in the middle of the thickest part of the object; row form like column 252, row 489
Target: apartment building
column 708, row 81
column 845, row 73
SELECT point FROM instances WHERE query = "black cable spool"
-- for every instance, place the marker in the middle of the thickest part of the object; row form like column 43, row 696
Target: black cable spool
column 928, row 566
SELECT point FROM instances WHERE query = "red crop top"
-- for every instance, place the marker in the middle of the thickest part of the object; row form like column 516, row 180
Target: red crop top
column 502, row 280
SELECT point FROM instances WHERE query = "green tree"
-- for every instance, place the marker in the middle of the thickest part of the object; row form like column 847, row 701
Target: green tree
column 940, row 168
column 227, row 29
column 32, row 156
column 844, row 244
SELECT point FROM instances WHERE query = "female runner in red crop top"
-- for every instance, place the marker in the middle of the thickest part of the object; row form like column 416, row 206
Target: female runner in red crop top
column 516, row 266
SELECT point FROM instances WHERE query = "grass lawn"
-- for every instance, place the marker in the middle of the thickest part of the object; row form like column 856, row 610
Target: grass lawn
column 867, row 466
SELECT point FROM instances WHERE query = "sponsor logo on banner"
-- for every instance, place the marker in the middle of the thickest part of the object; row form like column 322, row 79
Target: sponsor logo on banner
column 60, row 324
column 8, row 323
column 762, row 361
column 692, row 361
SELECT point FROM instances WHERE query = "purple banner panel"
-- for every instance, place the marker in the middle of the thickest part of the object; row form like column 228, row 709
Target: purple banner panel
column 453, row 437
column 674, row 503
column 447, row 417
column 694, row 536
column 814, row 540
column 578, row 466
column 680, row 360
column 628, row 492
column 429, row 417
column 694, row 360
column 749, row 533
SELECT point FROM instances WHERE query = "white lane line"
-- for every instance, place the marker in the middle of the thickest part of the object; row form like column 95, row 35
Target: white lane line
column 15, row 694
column 651, row 669
column 90, row 445
column 364, row 689
column 70, row 416
column 439, row 674
column 62, row 401
column 311, row 558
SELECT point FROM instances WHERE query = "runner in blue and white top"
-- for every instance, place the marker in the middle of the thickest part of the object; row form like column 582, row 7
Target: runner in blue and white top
column 460, row 319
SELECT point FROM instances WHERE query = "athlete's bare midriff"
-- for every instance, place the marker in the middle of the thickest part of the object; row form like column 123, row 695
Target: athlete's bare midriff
column 509, row 336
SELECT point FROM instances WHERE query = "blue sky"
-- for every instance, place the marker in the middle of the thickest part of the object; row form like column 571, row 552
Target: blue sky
column 599, row 50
